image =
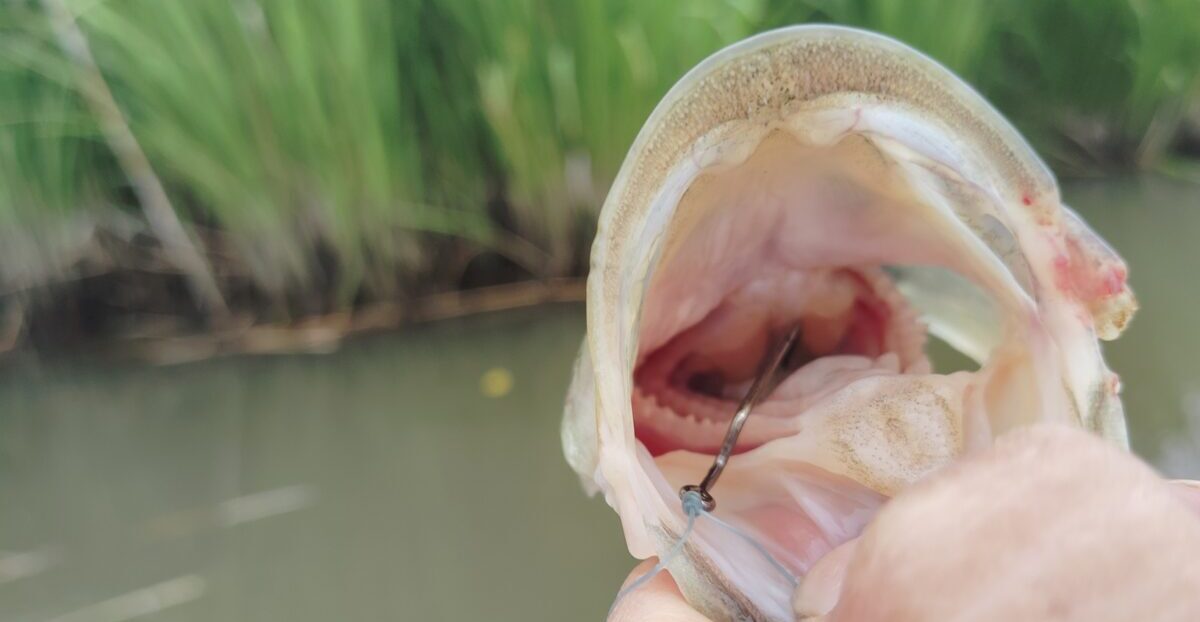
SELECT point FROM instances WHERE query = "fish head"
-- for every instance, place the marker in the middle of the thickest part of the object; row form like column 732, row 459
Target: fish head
column 840, row 181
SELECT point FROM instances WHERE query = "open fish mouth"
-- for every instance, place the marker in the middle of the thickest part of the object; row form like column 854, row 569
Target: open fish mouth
column 837, row 181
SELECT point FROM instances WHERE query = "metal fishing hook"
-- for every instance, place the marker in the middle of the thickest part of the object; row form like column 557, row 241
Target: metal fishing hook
column 762, row 386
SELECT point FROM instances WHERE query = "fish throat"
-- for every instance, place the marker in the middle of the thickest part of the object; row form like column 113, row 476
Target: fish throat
column 854, row 323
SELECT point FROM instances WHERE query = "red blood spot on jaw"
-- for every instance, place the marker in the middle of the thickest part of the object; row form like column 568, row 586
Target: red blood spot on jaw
column 1027, row 200
column 1114, row 281
column 1085, row 279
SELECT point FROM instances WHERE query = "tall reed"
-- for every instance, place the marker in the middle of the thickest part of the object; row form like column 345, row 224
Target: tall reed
column 352, row 150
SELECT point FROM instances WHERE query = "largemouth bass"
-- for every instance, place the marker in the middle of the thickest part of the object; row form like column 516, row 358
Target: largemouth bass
column 838, row 180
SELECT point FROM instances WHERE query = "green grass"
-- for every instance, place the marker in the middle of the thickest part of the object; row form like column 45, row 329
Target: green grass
column 955, row 32
column 366, row 149
column 292, row 125
column 1095, row 84
column 565, row 86
column 53, row 165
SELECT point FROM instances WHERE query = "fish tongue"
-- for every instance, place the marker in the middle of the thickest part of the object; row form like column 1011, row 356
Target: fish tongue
column 733, row 340
column 732, row 346
column 830, row 373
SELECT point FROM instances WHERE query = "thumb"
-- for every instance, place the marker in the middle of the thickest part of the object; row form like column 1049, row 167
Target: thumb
column 658, row 600
column 1050, row 522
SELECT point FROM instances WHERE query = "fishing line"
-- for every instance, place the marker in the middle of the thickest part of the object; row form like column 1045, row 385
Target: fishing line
column 696, row 499
column 694, row 507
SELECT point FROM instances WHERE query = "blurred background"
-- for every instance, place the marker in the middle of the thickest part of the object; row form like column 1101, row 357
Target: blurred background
column 289, row 289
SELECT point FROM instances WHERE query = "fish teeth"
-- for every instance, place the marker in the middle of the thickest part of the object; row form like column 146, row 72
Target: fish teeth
column 889, row 361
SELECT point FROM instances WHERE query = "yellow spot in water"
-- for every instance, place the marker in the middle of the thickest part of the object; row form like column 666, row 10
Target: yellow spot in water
column 496, row 382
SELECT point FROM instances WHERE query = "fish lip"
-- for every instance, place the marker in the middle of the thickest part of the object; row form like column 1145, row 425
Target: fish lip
column 620, row 275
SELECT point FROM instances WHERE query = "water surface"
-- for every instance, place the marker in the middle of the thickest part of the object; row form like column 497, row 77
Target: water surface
column 374, row 483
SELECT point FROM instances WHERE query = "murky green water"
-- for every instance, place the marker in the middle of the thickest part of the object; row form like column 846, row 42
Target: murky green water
column 380, row 483
column 1155, row 225
column 376, row 483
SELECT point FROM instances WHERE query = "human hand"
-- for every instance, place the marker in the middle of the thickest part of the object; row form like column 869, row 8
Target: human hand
column 1049, row 524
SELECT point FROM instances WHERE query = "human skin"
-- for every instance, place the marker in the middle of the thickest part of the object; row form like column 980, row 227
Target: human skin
column 1049, row 524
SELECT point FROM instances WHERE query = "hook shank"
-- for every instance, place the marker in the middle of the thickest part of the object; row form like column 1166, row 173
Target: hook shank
column 759, row 389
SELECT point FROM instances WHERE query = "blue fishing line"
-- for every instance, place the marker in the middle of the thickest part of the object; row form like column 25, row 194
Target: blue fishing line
column 758, row 546
column 693, row 508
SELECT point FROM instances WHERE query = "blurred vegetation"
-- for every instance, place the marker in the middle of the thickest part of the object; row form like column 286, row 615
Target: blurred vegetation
column 329, row 154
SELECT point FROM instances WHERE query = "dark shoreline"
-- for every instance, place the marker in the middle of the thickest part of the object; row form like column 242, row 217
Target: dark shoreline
column 174, row 340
